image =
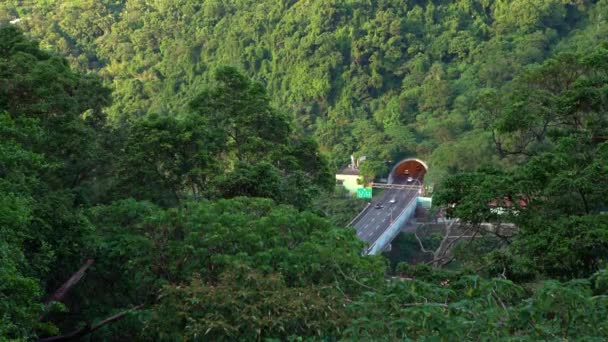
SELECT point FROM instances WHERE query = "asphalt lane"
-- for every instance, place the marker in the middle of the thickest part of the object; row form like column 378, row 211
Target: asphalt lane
column 373, row 222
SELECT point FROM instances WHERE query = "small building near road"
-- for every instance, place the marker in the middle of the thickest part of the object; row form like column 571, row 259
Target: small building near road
column 350, row 179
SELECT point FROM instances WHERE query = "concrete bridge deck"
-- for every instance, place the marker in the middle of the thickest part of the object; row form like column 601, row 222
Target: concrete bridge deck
column 381, row 220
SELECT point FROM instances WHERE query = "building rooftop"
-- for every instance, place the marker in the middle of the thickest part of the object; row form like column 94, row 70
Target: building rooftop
column 351, row 171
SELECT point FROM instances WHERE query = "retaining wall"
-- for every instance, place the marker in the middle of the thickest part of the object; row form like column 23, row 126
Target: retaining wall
column 425, row 202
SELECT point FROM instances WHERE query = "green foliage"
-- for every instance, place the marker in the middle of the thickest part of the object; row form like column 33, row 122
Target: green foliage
column 248, row 268
column 379, row 79
column 249, row 305
column 163, row 198
column 19, row 294
column 568, row 247
column 239, row 114
column 45, row 154
column 232, row 144
column 222, row 248
column 553, row 122
column 166, row 159
column 370, row 169
column 474, row 308
column 67, row 105
column 340, row 207
column 405, row 251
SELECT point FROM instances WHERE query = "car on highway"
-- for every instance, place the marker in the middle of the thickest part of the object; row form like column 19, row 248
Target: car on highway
column 410, row 179
column 394, row 200
column 378, row 206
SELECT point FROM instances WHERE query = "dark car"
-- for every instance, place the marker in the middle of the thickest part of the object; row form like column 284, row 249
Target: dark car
column 378, row 206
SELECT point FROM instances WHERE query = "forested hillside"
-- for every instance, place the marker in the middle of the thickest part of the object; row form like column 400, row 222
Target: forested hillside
column 166, row 168
column 383, row 79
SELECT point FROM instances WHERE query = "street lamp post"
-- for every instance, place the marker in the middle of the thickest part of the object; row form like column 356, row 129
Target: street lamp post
column 419, row 183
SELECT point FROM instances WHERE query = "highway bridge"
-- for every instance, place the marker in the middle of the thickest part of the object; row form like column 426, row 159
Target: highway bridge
column 383, row 217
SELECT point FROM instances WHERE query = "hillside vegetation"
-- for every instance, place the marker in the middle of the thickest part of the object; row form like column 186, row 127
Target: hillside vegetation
column 384, row 79
column 180, row 154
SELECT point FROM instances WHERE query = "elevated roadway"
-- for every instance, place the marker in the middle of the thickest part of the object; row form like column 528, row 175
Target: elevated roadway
column 384, row 209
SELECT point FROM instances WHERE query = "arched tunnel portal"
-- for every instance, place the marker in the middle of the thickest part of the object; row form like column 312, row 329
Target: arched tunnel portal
column 410, row 167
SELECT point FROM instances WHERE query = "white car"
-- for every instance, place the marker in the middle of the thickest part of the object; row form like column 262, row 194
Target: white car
column 410, row 179
column 394, row 200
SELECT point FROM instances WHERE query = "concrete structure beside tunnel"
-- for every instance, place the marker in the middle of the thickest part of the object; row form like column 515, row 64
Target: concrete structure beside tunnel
column 414, row 167
column 350, row 179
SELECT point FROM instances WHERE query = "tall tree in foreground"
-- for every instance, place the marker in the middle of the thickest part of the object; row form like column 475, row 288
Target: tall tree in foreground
column 50, row 128
column 553, row 121
column 232, row 143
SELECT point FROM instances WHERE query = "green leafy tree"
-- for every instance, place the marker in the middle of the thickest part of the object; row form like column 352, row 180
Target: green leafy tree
column 192, row 254
column 167, row 159
column 557, row 195
column 239, row 112
column 417, row 67
column 51, row 127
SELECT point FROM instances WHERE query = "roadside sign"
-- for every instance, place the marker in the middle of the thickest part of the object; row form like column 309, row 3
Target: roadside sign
column 364, row 193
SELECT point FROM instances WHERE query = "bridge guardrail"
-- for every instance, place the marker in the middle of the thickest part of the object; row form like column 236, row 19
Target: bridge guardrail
column 396, row 186
column 405, row 209
column 358, row 215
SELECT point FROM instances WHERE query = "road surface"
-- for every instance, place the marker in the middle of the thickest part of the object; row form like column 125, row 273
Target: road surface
column 374, row 221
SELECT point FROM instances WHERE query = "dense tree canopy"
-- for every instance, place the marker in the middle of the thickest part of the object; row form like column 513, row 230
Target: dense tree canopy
column 380, row 78
column 48, row 120
column 553, row 123
column 165, row 167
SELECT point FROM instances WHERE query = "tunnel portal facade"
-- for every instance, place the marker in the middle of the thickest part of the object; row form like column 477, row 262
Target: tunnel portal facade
column 410, row 167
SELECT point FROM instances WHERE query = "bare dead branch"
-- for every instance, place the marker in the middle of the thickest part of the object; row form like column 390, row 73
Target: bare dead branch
column 420, row 304
column 353, row 279
column 420, row 244
column 442, row 256
column 67, row 286
column 77, row 334
column 504, row 307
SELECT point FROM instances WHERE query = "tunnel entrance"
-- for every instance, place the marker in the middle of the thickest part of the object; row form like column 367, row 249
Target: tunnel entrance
column 411, row 167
